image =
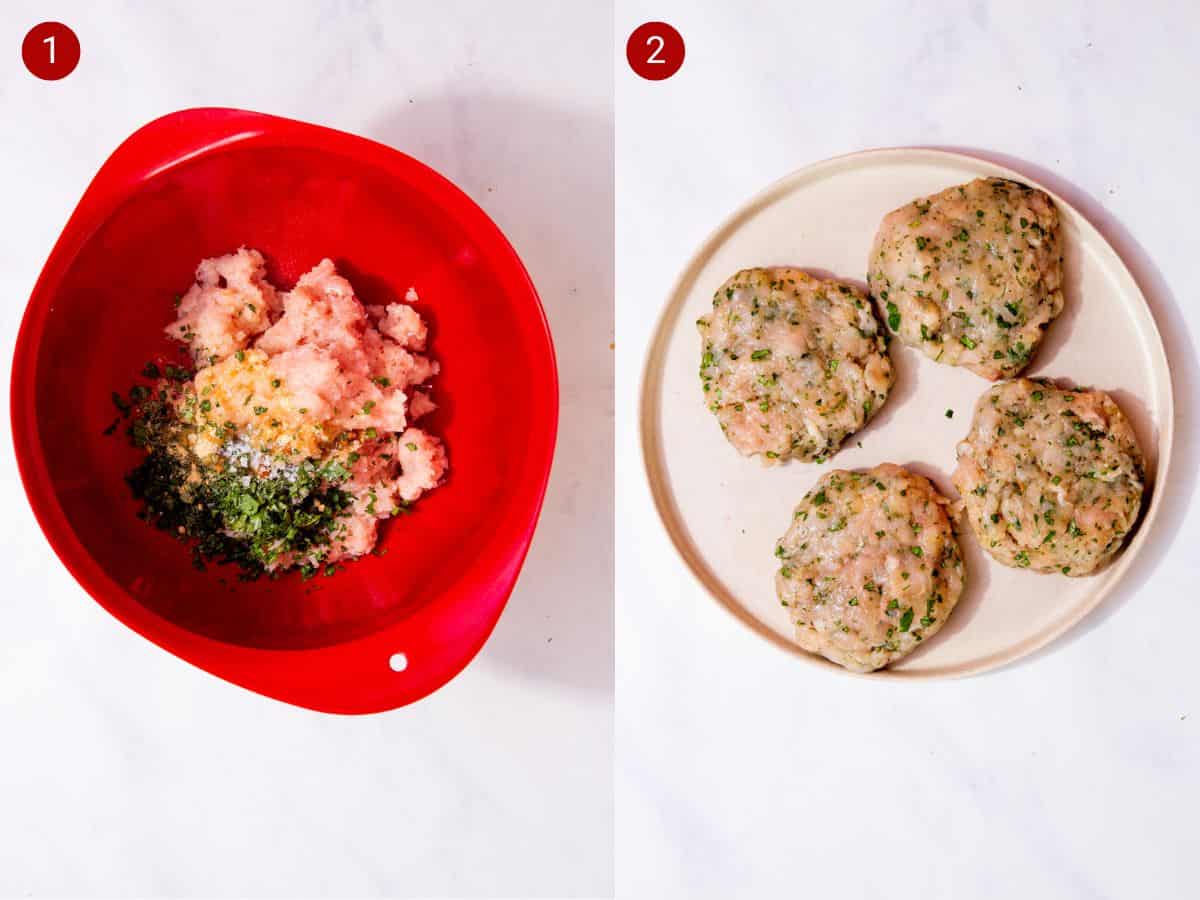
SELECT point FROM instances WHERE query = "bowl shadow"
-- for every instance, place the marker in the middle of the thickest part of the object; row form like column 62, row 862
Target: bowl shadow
column 544, row 174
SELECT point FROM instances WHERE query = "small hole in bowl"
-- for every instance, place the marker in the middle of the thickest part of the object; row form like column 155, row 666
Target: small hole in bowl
column 398, row 662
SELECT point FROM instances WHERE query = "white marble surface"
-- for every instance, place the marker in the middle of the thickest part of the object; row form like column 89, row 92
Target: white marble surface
column 124, row 772
column 741, row 771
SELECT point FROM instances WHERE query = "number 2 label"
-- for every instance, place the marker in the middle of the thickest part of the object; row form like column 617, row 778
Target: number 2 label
column 653, row 59
column 655, row 51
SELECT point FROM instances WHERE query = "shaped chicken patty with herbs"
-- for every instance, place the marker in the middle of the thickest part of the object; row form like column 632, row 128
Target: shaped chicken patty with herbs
column 792, row 365
column 1051, row 479
column 971, row 276
column 870, row 566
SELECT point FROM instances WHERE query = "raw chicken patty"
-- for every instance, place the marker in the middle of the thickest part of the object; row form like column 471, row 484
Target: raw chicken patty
column 870, row 566
column 971, row 276
column 1052, row 479
column 791, row 365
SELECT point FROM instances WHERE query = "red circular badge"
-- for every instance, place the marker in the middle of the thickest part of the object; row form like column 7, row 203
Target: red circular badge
column 50, row 51
column 655, row 51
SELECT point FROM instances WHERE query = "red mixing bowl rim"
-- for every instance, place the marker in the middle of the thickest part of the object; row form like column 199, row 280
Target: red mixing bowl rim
column 452, row 625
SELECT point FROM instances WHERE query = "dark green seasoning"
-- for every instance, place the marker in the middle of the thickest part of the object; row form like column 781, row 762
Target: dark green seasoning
column 228, row 511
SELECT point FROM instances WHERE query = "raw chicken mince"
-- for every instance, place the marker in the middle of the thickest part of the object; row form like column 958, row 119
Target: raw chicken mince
column 971, row 276
column 870, row 566
column 293, row 436
column 791, row 365
column 1051, row 479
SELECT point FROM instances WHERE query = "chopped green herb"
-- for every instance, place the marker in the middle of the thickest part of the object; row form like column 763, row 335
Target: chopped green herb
column 230, row 518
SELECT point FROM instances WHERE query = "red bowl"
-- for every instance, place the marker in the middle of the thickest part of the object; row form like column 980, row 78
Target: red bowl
column 202, row 182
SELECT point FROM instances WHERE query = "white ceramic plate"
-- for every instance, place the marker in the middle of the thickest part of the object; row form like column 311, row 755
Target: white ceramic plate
column 724, row 512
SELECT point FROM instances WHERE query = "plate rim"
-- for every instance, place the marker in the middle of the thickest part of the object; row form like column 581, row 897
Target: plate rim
column 657, row 479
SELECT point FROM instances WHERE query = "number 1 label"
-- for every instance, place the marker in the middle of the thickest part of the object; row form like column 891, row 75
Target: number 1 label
column 50, row 51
